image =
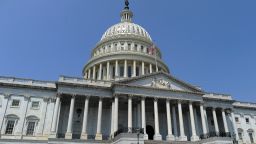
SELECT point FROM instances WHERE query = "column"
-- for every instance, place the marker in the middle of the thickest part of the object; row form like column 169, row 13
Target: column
column 100, row 72
column 132, row 46
column 194, row 137
column 129, row 114
column 104, row 73
column 224, row 120
column 85, row 76
column 150, row 68
column 182, row 134
column 84, row 126
column 68, row 134
column 215, row 121
column 94, row 73
column 170, row 136
column 125, row 68
column 142, row 68
column 5, row 106
column 55, row 117
column 116, row 114
column 125, row 46
column 138, row 115
column 111, row 47
column 174, row 121
column 234, row 125
column 143, row 117
column 21, row 127
column 134, row 69
column 89, row 74
column 157, row 135
column 108, row 72
column 43, row 115
column 117, row 70
column 203, row 119
column 206, row 120
column 98, row 133
column 112, row 118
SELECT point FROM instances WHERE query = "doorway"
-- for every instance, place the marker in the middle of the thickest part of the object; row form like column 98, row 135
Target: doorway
column 150, row 131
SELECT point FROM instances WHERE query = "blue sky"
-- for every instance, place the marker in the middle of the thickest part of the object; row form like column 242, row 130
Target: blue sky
column 209, row 43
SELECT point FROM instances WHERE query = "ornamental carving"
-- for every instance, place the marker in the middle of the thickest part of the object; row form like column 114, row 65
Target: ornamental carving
column 160, row 83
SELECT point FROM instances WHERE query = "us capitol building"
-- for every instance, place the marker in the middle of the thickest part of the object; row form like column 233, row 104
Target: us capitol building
column 126, row 96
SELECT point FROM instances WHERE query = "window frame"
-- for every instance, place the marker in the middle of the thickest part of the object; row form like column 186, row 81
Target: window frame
column 240, row 135
column 37, row 106
column 29, row 131
column 15, row 106
column 247, row 118
column 10, row 117
column 7, row 132
column 237, row 120
column 31, row 119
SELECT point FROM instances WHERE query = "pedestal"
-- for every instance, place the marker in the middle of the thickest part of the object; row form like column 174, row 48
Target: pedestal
column 84, row 136
column 170, row 138
column 157, row 137
column 68, row 136
column 145, row 137
column 52, row 135
column 194, row 138
column 183, row 138
column 98, row 137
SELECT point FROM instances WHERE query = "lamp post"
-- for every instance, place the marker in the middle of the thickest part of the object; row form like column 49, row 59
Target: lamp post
column 138, row 135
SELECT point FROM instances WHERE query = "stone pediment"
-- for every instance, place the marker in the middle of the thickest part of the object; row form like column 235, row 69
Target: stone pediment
column 161, row 80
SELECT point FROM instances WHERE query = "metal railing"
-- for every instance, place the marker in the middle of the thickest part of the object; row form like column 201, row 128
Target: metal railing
column 77, row 136
column 129, row 130
column 215, row 134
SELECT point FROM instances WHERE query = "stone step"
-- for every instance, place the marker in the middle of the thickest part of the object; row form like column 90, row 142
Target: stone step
column 165, row 142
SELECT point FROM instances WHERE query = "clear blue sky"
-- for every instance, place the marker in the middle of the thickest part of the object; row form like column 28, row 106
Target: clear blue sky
column 209, row 43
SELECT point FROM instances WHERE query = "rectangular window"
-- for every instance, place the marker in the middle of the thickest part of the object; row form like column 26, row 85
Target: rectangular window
column 15, row 103
column 113, row 72
column 129, row 71
column 121, row 71
column 9, row 127
column 247, row 120
column 237, row 119
column 137, row 71
column 35, row 104
column 31, row 127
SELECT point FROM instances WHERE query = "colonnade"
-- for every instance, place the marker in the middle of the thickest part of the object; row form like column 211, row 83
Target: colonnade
column 170, row 106
column 120, row 69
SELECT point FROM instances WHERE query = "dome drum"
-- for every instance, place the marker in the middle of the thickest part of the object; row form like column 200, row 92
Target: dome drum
column 116, row 69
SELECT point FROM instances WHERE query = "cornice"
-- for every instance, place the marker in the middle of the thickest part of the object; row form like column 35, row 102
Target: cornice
column 27, row 86
column 82, row 85
column 158, row 89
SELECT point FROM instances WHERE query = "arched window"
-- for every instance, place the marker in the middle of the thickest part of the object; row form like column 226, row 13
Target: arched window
column 31, row 124
column 240, row 133
column 10, row 123
column 250, row 134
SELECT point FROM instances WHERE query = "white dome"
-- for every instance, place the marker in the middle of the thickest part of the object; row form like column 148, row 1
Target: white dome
column 126, row 28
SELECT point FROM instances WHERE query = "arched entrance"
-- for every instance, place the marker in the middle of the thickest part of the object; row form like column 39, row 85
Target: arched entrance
column 150, row 131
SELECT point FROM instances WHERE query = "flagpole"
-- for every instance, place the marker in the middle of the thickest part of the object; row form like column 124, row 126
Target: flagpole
column 155, row 50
